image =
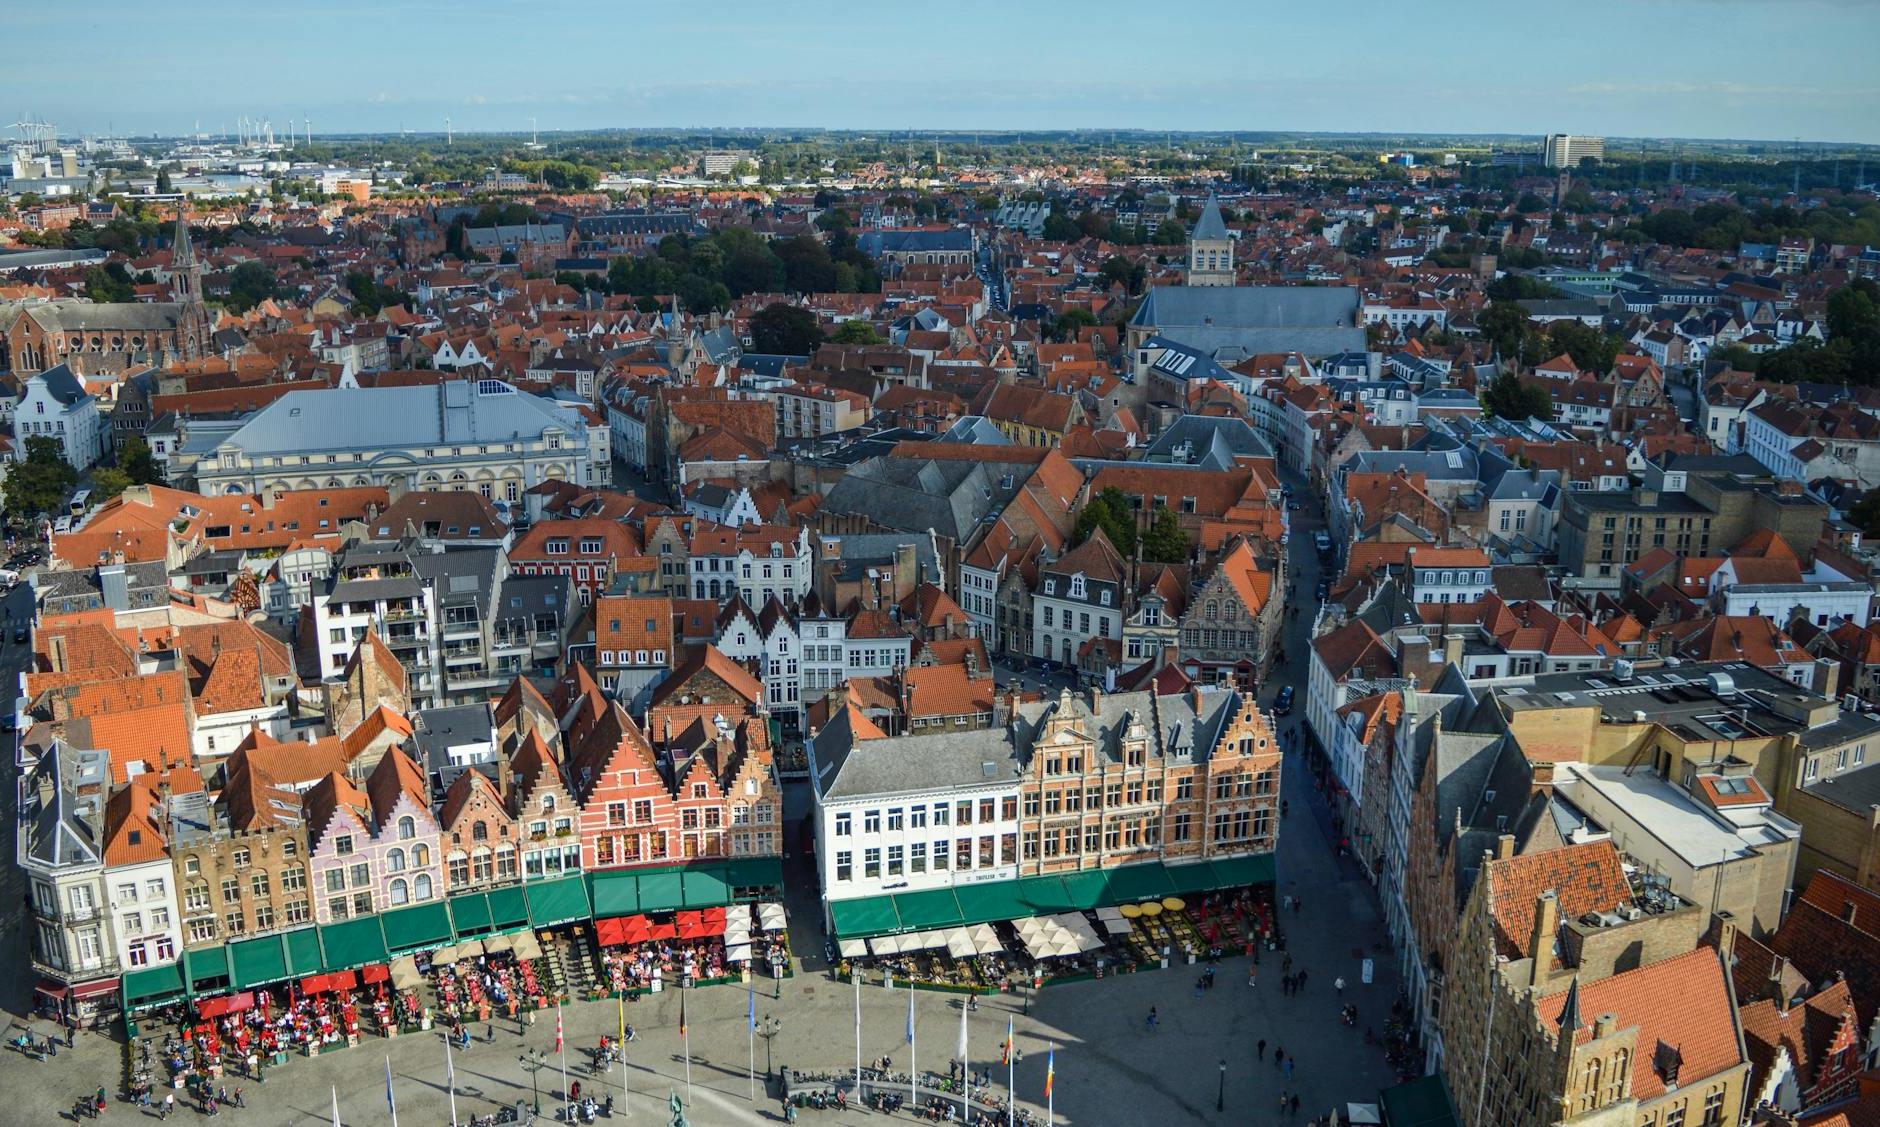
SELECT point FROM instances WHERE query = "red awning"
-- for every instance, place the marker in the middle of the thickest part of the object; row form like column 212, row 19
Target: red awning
column 227, row 1004
column 341, row 980
column 95, row 989
column 314, row 984
column 50, row 988
column 377, row 972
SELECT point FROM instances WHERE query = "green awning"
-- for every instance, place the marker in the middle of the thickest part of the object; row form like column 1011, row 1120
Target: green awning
column 924, row 911
column 661, row 892
column 206, row 969
column 469, row 914
column 257, row 962
column 1046, row 895
column 1423, row 1102
column 706, row 887
column 863, row 916
column 353, row 943
column 1085, row 890
column 997, row 900
column 153, row 986
column 1236, row 872
column 509, row 908
column 615, row 894
column 304, row 956
column 1141, row 881
column 557, row 901
column 417, row 928
column 755, row 872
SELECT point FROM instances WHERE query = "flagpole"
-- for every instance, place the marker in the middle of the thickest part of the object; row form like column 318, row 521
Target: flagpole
column 620, row 1000
column 913, row 1062
column 1011, row 1072
column 1050, row 1097
column 389, row 1101
column 335, row 1090
column 855, row 976
column 685, row 1036
column 450, row 1081
column 750, row 1033
column 561, row 1047
column 966, row 1064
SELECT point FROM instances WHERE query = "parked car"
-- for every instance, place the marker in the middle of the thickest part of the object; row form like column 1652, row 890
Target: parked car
column 1282, row 704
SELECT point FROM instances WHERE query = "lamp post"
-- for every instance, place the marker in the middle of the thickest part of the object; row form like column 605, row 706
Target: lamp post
column 534, row 1061
column 770, row 1027
column 1220, row 1095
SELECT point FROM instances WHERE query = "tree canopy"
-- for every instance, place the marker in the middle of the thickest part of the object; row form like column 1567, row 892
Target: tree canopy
column 1165, row 542
column 855, row 332
column 249, row 285
column 1110, row 511
column 39, row 484
column 1508, row 398
column 787, row 329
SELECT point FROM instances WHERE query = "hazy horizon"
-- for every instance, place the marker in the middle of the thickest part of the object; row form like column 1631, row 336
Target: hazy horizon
column 1696, row 69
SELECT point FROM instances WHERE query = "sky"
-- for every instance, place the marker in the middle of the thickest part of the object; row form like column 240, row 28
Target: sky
column 1618, row 68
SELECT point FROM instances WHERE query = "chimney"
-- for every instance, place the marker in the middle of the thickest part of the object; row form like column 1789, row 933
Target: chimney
column 1452, row 649
column 1827, row 678
column 1504, row 847
column 1541, row 943
column 56, row 645
column 1605, row 1025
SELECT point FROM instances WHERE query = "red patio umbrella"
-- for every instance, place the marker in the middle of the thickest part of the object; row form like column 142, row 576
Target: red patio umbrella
column 314, row 984
column 377, row 972
column 635, row 929
column 661, row 931
column 341, row 980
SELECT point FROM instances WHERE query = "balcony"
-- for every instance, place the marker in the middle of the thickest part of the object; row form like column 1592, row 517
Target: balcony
column 82, row 972
column 466, row 629
column 68, row 915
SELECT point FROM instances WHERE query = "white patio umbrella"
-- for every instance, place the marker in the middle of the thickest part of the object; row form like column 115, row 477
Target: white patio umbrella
column 986, row 941
column 770, row 917
column 852, row 948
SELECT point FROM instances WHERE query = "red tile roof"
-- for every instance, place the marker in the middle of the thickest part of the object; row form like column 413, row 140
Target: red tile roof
column 1682, row 1002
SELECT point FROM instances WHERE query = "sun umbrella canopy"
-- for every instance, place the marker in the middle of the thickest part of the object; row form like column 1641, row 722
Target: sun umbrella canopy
column 770, row 917
column 852, row 948
column 444, row 956
column 496, row 944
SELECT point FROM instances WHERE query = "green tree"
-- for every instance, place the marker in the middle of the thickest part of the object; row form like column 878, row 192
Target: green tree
column 1061, row 228
column 1503, row 324
column 164, row 187
column 1865, row 513
column 102, row 286
column 1165, row 542
column 1508, row 398
column 249, row 285
column 39, row 484
column 136, row 460
column 1110, row 511
column 1170, row 232
column 1592, row 350
column 855, row 332
column 807, row 266
column 107, row 482
column 785, row 329
column 1067, row 324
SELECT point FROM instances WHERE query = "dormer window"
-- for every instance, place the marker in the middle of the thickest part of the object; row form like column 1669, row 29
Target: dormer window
column 1077, row 586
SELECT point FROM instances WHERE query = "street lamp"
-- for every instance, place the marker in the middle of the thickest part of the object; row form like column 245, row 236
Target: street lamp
column 1220, row 1096
column 534, row 1061
column 770, row 1028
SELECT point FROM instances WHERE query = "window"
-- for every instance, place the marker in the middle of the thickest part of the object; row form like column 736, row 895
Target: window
column 407, row 828
column 871, row 822
column 845, row 866
column 422, row 887
column 361, row 875
column 240, row 858
column 259, row 884
column 233, row 923
column 917, row 857
column 293, row 878
column 895, row 867
column 894, row 818
column 940, row 812
column 231, row 890
column 940, row 855
column 343, row 845
column 871, row 863
column 395, row 861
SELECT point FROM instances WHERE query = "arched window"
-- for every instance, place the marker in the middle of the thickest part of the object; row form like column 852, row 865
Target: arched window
column 395, row 861
column 407, row 828
column 420, row 856
column 424, row 886
column 401, row 894
column 479, row 831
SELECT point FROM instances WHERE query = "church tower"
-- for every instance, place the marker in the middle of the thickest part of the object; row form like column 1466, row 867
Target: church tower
column 1210, row 249
column 193, row 327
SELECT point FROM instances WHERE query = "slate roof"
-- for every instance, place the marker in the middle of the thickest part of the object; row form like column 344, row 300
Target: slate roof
column 1234, row 322
column 399, row 418
column 1210, row 225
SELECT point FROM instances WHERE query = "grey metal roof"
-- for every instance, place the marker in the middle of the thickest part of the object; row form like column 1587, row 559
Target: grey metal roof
column 399, row 418
column 63, row 385
column 459, row 576
column 1210, row 225
column 1212, row 442
column 1168, row 308
column 58, row 827
column 362, row 590
column 914, row 495
column 86, row 316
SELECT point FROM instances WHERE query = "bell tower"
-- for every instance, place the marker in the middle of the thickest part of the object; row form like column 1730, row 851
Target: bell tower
column 192, row 323
column 1210, row 249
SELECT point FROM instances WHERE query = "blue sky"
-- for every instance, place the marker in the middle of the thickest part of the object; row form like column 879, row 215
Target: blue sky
column 1687, row 68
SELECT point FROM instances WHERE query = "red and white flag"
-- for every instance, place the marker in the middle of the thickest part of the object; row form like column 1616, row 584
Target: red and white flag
column 558, row 1027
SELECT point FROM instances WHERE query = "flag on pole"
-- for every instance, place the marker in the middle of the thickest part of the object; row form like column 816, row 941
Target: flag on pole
column 335, row 1089
column 620, row 1000
column 558, row 1027
column 1005, row 1050
column 1050, row 1070
column 682, row 994
column 964, row 1009
column 750, row 1007
column 389, row 1101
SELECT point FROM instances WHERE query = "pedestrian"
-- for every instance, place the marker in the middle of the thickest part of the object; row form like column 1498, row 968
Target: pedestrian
column 1285, row 964
column 52, row 1046
column 169, row 1105
column 1298, row 905
column 1279, row 1057
column 1289, row 1069
column 1252, row 973
column 1151, row 1019
column 254, row 1064
column 1295, row 1103
column 71, row 1033
column 1301, row 980
column 1262, row 1048
column 1338, row 984
column 1282, row 1103
column 1285, row 808
column 489, row 1033
column 1286, row 901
